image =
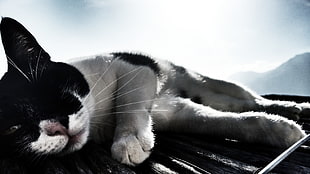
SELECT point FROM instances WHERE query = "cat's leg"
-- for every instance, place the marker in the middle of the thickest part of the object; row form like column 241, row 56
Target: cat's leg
column 288, row 109
column 133, row 137
column 184, row 115
column 226, row 96
column 218, row 94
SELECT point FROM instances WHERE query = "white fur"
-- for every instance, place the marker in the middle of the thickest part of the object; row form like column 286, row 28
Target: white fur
column 78, row 126
column 109, row 81
column 139, row 96
column 48, row 144
column 256, row 127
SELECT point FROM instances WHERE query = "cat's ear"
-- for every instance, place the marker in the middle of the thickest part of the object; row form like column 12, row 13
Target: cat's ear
column 24, row 54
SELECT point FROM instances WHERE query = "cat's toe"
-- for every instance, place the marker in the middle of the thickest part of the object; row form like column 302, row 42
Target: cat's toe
column 132, row 150
column 305, row 112
column 288, row 110
column 291, row 112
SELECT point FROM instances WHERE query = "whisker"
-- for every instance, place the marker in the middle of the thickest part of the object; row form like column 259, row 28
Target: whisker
column 112, row 97
column 131, row 103
column 37, row 65
column 39, row 159
column 100, row 126
column 122, row 76
column 98, row 123
column 125, row 112
column 95, row 126
column 126, row 93
column 17, row 68
column 124, row 85
column 93, row 74
column 23, row 148
column 30, row 69
column 93, row 87
column 42, row 69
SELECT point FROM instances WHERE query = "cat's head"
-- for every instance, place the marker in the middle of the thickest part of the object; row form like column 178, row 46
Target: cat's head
column 41, row 101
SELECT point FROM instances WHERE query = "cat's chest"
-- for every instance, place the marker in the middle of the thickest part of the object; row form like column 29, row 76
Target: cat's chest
column 116, row 87
column 101, row 77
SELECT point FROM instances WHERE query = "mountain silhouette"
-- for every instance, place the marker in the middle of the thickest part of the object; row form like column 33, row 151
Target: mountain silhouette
column 292, row 78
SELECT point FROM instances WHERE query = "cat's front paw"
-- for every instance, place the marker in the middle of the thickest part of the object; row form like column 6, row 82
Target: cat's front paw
column 133, row 149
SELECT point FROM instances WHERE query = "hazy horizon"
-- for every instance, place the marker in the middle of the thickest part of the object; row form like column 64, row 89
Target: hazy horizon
column 216, row 38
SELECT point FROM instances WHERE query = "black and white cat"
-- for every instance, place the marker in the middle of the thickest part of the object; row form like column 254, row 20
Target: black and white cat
column 50, row 107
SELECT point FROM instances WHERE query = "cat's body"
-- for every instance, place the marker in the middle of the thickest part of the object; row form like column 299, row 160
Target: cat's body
column 172, row 97
column 129, row 95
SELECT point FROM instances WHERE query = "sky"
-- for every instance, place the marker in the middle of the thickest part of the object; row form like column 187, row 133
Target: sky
column 216, row 38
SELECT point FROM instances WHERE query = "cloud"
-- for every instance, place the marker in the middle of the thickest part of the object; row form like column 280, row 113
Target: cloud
column 207, row 32
column 304, row 2
column 104, row 3
column 96, row 3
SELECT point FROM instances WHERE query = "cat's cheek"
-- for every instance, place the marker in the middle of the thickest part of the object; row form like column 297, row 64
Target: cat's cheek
column 78, row 130
column 49, row 144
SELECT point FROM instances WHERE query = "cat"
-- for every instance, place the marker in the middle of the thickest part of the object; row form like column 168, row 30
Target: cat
column 49, row 107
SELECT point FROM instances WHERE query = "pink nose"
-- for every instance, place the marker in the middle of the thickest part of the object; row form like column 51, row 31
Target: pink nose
column 55, row 128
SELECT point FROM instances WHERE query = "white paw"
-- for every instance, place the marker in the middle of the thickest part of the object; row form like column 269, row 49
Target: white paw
column 291, row 133
column 281, row 132
column 133, row 149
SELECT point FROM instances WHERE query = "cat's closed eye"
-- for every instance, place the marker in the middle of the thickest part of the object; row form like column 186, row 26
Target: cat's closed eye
column 10, row 130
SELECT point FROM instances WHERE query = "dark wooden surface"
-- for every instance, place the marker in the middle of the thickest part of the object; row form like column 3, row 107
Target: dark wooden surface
column 173, row 153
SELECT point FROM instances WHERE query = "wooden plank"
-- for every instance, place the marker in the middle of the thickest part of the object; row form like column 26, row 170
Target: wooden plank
column 173, row 153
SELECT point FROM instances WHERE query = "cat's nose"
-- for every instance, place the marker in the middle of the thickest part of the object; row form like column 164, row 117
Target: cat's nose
column 55, row 128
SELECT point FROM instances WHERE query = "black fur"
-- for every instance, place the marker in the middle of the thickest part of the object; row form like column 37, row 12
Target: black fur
column 183, row 94
column 179, row 69
column 138, row 59
column 21, row 46
column 196, row 99
column 47, row 94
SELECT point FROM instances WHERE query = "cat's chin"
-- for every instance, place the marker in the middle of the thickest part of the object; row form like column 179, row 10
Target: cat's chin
column 76, row 141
